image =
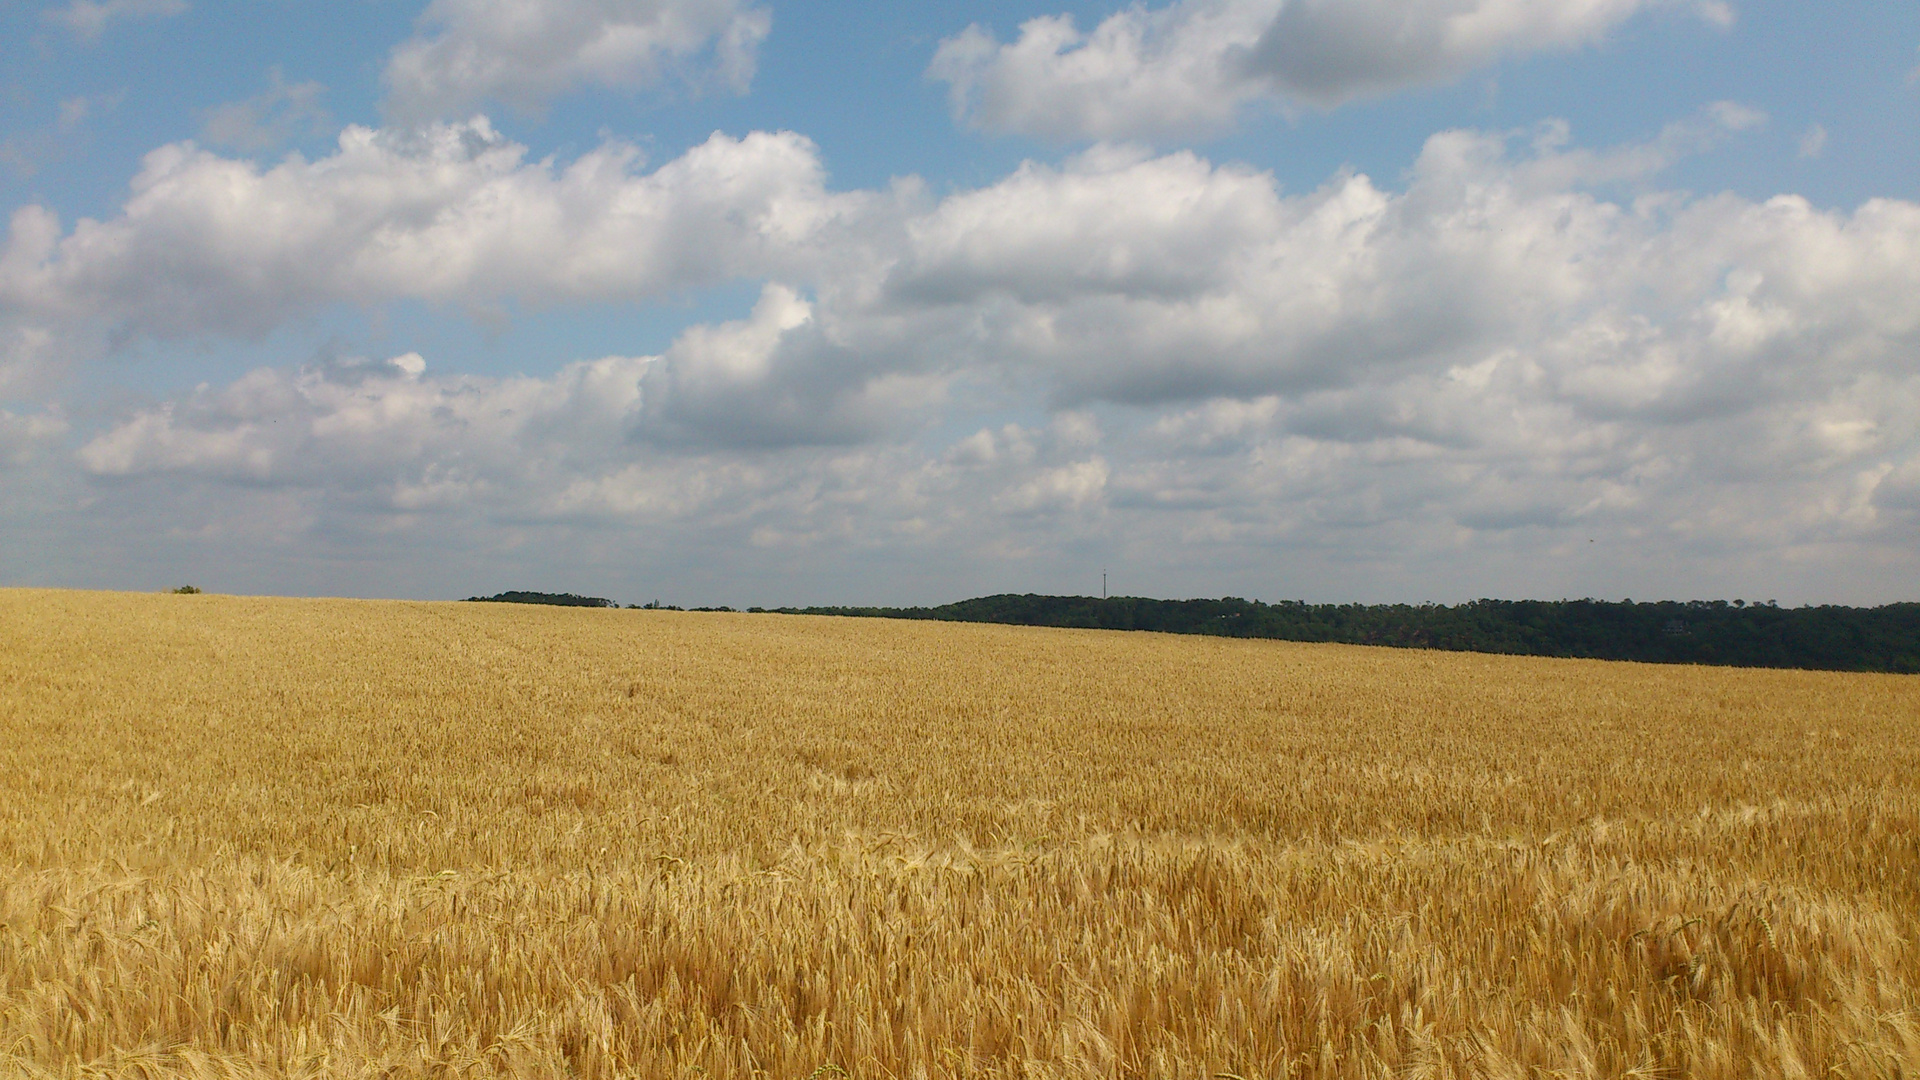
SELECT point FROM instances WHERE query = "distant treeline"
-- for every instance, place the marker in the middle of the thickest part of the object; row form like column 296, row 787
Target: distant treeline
column 567, row 599
column 562, row 599
column 1669, row 632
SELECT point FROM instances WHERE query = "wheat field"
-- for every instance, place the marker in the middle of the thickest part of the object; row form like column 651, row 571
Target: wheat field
column 304, row 838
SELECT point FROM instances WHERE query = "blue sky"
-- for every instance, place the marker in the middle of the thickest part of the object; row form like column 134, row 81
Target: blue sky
column 722, row 302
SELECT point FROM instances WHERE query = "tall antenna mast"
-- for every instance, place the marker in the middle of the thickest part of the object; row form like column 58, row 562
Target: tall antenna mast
column 1103, row 583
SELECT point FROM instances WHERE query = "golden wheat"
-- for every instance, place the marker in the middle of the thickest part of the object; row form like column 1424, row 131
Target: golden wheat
column 255, row 837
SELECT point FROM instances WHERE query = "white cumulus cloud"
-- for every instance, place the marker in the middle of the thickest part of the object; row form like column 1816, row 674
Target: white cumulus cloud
column 448, row 213
column 1164, row 72
column 1524, row 345
column 1188, row 68
column 387, row 430
column 524, row 53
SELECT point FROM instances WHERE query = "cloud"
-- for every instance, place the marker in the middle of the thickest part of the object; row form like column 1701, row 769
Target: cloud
column 1141, row 73
column 88, row 19
column 524, row 53
column 1189, row 68
column 21, row 437
column 73, row 112
column 393, row 438
column 1120, row 276
column 369, row 452
column 1813, row 142
column 448, row 214
column 281, row 112
column 384, row 427
column 25, row 152
column 778, row 378
column 1066, row 487
column 1148, row 279
column 1525, row 344
column 1330, row 51
column 392, row 431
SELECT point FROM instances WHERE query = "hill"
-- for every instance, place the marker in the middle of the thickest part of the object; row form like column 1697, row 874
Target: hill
column 565, row 599
column 1885, row 639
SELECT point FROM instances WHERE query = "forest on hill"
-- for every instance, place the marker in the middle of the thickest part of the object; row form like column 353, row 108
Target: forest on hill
column 1737, row 634
column 566, row 599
